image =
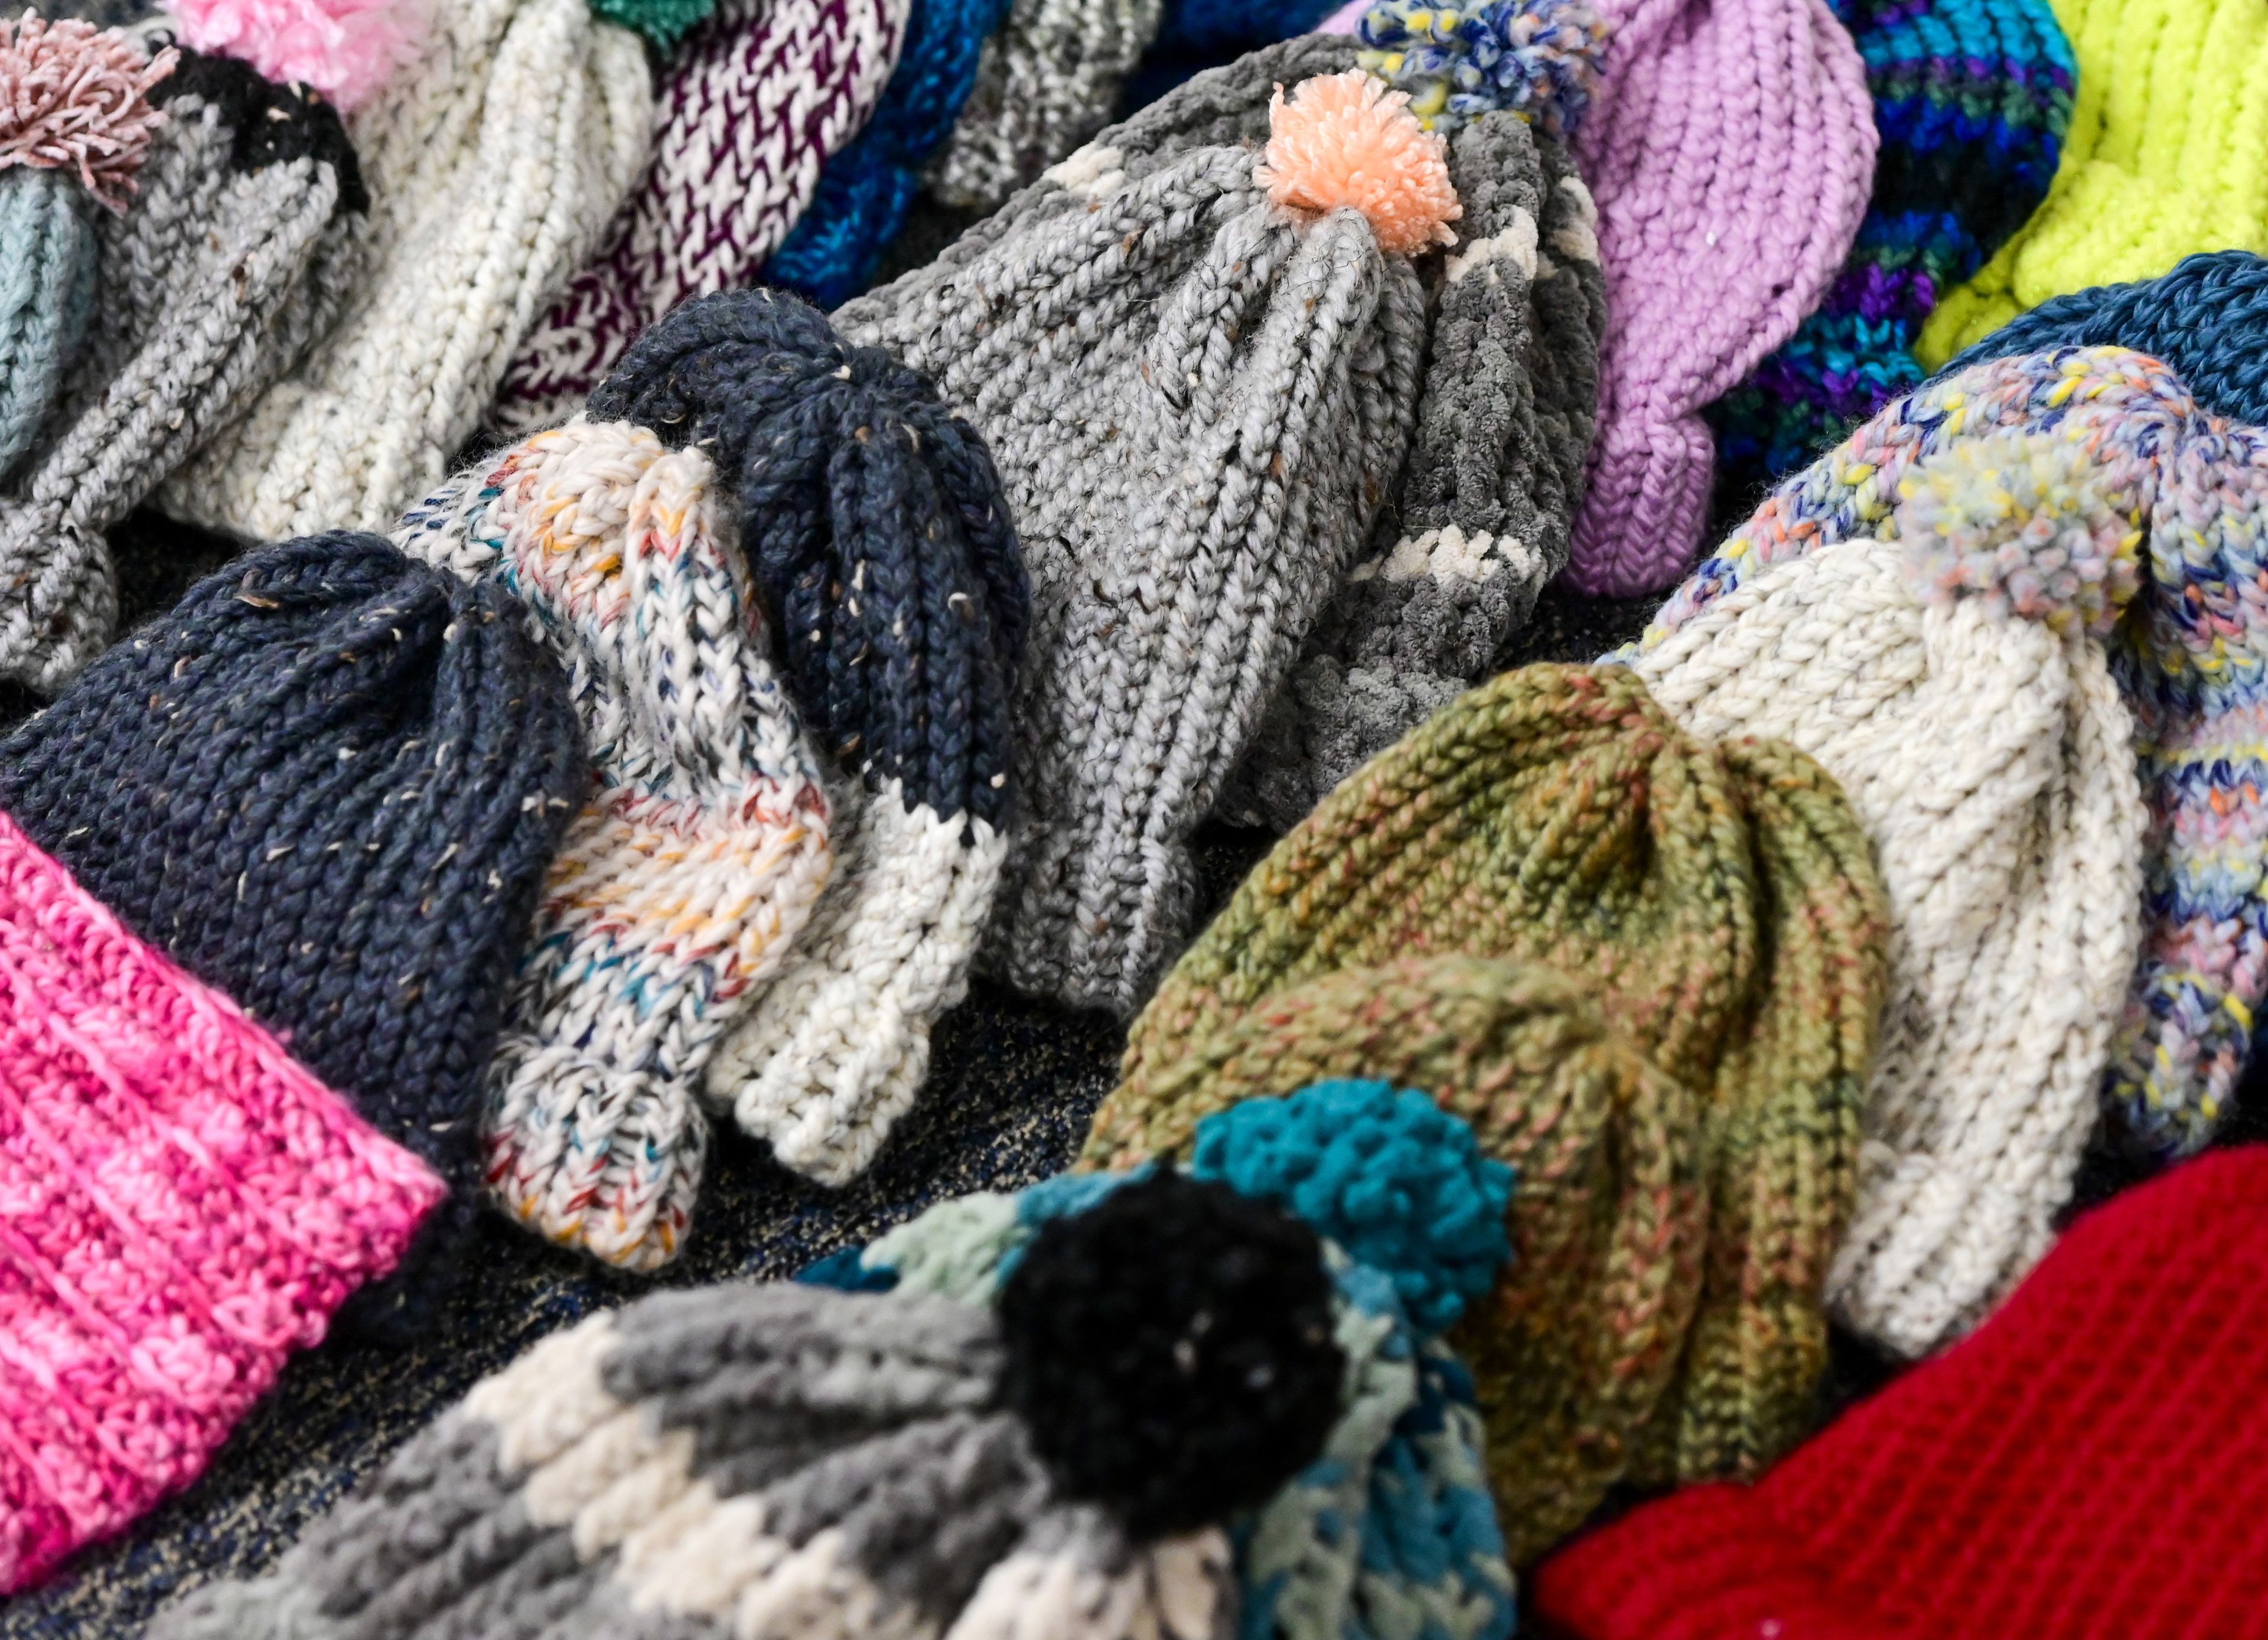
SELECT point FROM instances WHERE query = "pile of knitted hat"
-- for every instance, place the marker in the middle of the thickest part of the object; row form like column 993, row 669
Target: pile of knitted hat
column 1150, row 1406
column 264, row 871
column 1646, row 969
column 1201, row 410
column 208, row 215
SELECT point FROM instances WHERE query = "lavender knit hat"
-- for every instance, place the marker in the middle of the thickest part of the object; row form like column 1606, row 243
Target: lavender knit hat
column 1731, row 152
column 751, row 107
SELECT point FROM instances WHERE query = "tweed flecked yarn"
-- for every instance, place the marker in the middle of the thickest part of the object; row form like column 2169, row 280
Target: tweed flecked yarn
column 875, row 526
column 1719, row 897
column 865, row 191
column 186, row 1208
column 494, row 163
column 1730, row 149
column 683, row 882
column 238, row 251
column 328, row 782
column 2208, row 319
column 1048, row 79
column 2159, row 162
column 2191, row 659
column 1971, row 100
column 1952, row 675
column 1198, row 398
column 752, row 106
column 1479, row 519
column 2107, row 1420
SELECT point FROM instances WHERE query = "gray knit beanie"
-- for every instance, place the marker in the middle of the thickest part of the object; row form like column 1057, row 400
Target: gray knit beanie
column 236, row 253
column 1046, row 82
column 1196, row 369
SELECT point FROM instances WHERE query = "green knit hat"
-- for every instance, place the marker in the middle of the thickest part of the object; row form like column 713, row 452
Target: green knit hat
column 1719, row 900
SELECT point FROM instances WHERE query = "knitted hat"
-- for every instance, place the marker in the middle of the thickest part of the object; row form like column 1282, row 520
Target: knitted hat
column 73, row 128
column 1952, row 675
column 1046, row 81
column 751, row 107
column 186, row 1207
column 865, row 190
column 494, row 163
column 1038, row 1428
column 345, row 49
column 1721, row 900
column 1479, row 518
column 875, row 525
column 1197, row 34
column 687, row 876
column 2190, row 657
column 2208, row 319
column 235, row 255
column 2088, row 1464
column 1971, row 100
column 2157, row 164
column 1198, row 370
column 1730, row 151
column 328, row 781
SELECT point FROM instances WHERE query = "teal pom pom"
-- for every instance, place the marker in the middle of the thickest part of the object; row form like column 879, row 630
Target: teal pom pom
column 1396, row 1180
column 664, row 22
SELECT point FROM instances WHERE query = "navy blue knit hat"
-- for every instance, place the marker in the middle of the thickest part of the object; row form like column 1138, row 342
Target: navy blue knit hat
column 328, row 782
column 874, row 520
column 2208, row 319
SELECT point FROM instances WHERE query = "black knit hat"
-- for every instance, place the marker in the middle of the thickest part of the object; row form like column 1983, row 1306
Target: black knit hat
column 328, row 782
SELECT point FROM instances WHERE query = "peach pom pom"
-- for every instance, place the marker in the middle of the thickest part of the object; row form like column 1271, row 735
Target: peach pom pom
column 1344, row 141
column 75, row 98
column 344, row 48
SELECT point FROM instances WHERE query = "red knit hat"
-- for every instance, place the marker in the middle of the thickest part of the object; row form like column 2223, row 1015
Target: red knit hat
column 2092, row 1462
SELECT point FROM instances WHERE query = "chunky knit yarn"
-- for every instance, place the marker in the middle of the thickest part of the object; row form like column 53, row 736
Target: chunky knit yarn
column 865, row 190
column 1478, row 519
column 2189, row 657
column 751, row 107
column 494, row 163
column 1198, row 398
column 875, row 525
column 1952, row 674
column 47, row 294
column 328, row 782
column 1046, row 79
column 2107, row 1420
column 1971, row 100
column 1729, row 148
column 664, row 22
column 233, row 257
column 1457, row 64
column 2158, row 163
column 186, row 1207
column 1719, row 899
column 681, row 885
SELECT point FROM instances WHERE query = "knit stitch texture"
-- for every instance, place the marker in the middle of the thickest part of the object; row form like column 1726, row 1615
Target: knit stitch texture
column 46, row 295
column 186, row 1208
column 1194, row 35
column 345, row 49
column 681, row 885
column 1729, row 150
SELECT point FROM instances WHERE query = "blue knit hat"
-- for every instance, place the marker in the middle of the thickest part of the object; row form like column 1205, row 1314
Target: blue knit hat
column 1199, row 34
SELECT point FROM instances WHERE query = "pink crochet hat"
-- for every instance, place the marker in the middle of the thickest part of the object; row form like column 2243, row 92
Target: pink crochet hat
column 1731, row 152
column 181, row 1206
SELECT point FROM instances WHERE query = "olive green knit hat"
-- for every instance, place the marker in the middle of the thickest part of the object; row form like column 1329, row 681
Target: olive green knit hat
column 1718, row 899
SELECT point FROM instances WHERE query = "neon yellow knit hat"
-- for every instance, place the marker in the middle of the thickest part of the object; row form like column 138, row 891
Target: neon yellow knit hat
column 2167, row 154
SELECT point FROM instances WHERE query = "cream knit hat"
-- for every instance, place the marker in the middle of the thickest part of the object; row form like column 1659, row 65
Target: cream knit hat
column 493, row 163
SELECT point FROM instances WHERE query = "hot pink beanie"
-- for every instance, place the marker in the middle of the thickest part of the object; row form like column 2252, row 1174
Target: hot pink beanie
column 181, row 1206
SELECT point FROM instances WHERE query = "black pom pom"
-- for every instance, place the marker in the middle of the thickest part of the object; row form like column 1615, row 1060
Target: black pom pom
column 1171, row 1349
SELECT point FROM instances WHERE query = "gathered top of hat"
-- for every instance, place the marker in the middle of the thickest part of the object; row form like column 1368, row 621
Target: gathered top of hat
column 664, row 22
column 1540, row 59
column 76, row 98
column 1343, row 142
column 346, row 49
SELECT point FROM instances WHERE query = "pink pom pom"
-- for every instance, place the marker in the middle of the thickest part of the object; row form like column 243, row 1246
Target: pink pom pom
column 74, row 97
column 1344, row 141
column 344, row 48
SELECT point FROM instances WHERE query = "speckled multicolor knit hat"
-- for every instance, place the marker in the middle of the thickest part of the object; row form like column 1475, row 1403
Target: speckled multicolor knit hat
column 1144, row 1408
column 684, row 882
column 1971, row 100
column 2190, row 657
column 752, row 106
column 1719, row 899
